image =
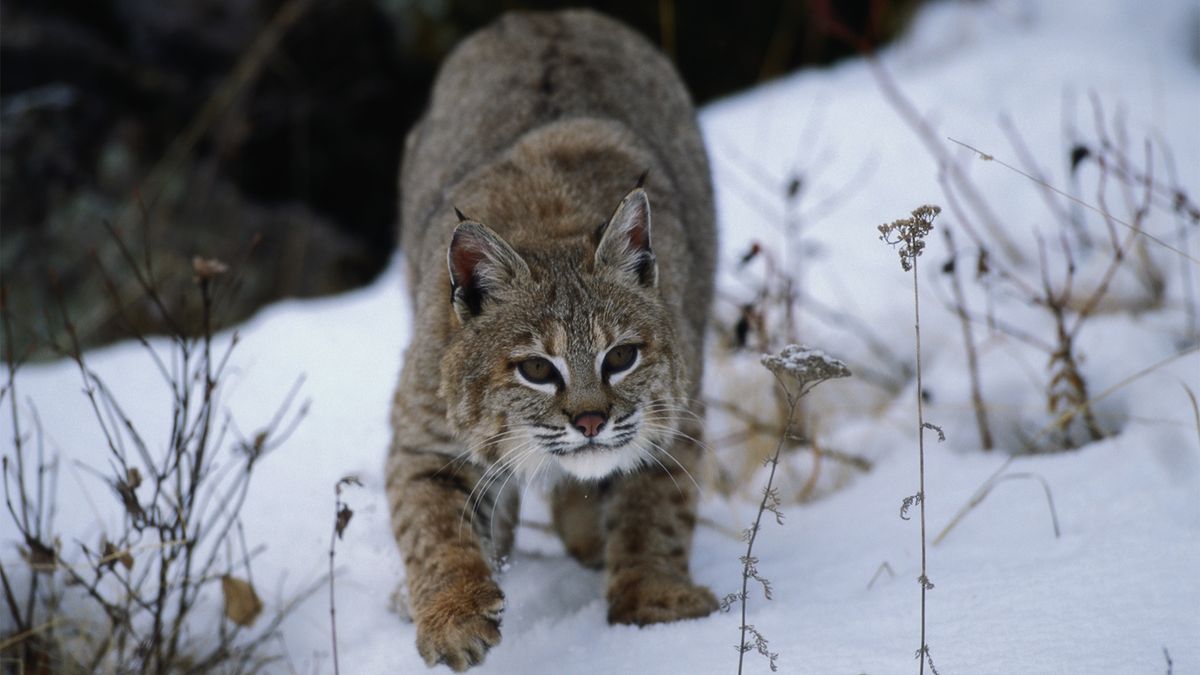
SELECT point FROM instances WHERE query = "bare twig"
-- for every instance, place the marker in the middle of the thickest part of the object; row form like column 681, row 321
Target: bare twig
column 342, row 515
column 802, row 369
column 1108, row 216
column 960, row 309
column 883, row 567
column 749, row 569
column 910, row 234
column 1195, row 408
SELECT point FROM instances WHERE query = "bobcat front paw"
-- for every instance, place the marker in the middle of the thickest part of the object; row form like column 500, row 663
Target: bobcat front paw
column 648, row 599
column 460, row 624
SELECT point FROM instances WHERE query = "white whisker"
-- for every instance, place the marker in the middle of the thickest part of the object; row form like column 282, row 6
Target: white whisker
column 667, row 471
column 677, row 463
column 651, row 424
column 500, row 494
column 490, row 476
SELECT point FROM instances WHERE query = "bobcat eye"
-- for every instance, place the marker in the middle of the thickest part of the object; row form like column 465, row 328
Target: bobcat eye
column 619, row 359
column 538, row 370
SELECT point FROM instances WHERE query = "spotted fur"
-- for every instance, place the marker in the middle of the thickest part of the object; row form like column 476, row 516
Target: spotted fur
column 528, row 235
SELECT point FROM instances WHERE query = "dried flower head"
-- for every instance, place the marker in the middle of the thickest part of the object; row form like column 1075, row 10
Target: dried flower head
column 207, row 268
column 805, row 365
column 911, row 233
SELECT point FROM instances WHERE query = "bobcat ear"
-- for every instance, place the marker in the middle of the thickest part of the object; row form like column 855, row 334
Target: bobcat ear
column 480, row 262
column 625, row 242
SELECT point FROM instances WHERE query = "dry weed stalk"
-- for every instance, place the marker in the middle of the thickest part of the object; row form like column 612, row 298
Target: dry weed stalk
column 1195, row 408
column 964, row 319
column 341, row 519
column 798, row 370
column 181, row 502
column 909, row 234
column 883, row 567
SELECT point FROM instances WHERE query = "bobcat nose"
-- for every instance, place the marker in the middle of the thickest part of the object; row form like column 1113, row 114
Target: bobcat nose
column 590, row 423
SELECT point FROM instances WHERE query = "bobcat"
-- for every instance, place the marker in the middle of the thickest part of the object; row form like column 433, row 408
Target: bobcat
column 549, row 336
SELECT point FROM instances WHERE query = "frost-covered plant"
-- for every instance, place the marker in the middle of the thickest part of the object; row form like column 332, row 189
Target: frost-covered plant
column 798, row 370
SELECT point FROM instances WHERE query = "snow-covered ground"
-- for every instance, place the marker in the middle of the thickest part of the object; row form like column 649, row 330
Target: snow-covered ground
column 1115, row 593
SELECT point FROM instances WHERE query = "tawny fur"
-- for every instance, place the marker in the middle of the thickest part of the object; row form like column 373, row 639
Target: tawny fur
column 538, row 127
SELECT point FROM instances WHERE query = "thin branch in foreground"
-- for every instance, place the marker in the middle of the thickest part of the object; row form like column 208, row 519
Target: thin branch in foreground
column 1195, row 408
column 883, row 567
column 341, row 519
column 909, row 234
column 1105, row 214
column 989, row 485
column 960, row 310
column 798, row 370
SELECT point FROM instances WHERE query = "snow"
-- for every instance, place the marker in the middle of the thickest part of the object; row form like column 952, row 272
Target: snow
column 1118, row 587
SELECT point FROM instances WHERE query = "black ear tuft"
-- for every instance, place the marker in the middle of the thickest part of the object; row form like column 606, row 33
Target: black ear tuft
column 642, row 178
column 461, row 217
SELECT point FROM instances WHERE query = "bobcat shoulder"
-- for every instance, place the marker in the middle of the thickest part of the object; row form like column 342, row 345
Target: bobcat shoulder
column 559, row 321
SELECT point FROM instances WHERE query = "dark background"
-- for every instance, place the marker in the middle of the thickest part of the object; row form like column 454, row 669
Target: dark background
column 267, row 134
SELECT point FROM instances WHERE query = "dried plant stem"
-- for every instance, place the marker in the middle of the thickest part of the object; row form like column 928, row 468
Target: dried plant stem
column 805, row 368
column 960, row 309
column 810, row 485
column 1104, row 213
column 26, row 634
column 883, row 567
column 341, row 518
column 1195, row 407
column 719, row 528
column 910, row 233
column 748, row 561
column 1045, row 489
column 921, row 452
column 332, row 599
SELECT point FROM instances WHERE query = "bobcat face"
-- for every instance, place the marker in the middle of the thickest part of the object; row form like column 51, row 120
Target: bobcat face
column 565, row 357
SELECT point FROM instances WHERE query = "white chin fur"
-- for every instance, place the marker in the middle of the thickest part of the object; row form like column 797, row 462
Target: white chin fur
column 599, row 463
